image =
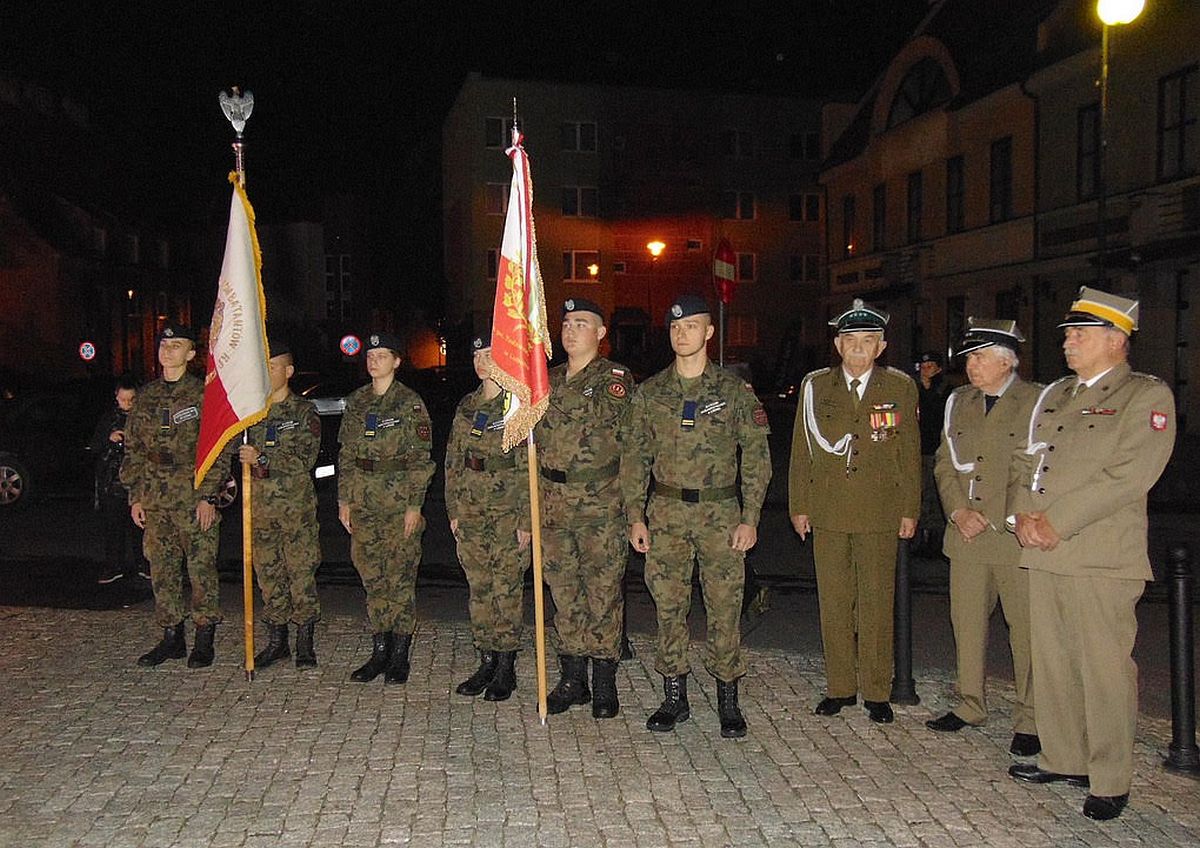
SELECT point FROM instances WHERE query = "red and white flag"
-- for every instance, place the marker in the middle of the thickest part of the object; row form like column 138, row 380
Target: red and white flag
column 236, row 385
column 723, row 272
column 520, row 341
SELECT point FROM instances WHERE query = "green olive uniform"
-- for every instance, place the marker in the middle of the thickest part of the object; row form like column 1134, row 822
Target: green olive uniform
column 583, row 538
column 384, row 468
column 855, row 471
column 160, row 455
column 285, row 546
column 685, row 434
column 487, row 491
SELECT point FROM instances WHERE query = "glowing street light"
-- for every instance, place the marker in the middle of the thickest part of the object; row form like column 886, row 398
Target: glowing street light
column 593, row 270
column 656, row 248
column 1115, row 12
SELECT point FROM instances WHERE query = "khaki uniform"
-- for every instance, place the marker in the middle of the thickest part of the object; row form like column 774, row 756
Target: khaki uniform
column 286, row 550
column 160, row 455
column 1091, row 461
column 685, row 435
column 487, row 491
column 855, row 472
column 583, row 539
column 972, row 472
column 384, row 468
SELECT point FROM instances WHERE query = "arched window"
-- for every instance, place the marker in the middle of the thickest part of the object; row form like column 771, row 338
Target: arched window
column 924, row 87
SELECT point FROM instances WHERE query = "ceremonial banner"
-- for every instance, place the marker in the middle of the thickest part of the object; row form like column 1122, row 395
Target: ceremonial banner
column 236, row 385
column 520, row 341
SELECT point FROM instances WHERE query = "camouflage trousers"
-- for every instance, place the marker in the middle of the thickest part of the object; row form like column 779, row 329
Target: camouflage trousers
column 286, row 558
column 680, row 535
column 387, row 563
column 173, row 539
column 495, row 570
column 585, row 568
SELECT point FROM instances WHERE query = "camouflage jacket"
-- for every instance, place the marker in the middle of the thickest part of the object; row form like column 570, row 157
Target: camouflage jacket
column 385, row 441
column 160, row 445
column 580, row 434
column 688, row 437
column 288, row 440
column 480, row 478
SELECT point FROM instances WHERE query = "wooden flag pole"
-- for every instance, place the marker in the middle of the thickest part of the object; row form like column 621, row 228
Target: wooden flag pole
column 247, row 571
column 539, row 601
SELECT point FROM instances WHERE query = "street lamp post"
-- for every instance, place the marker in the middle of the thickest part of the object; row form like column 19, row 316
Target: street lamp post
column 1111, row 13
column 656, row 248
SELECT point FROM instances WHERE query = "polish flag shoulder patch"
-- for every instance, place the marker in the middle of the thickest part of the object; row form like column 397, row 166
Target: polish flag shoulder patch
column 1158, row 420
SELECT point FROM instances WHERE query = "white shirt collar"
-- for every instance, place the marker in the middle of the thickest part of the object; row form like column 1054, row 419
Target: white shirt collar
column 1094, row 380
column 862, row 381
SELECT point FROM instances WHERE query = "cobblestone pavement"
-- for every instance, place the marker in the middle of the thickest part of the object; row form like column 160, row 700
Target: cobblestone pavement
column 99, row 752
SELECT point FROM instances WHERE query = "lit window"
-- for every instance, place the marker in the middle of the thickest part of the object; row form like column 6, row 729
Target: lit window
column 577, row 263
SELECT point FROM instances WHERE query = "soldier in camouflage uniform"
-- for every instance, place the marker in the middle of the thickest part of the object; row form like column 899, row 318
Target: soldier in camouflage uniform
column 281, row 451
column 180, row 523
column 584, row 539
column 487, row 501
column 684, row 430
column 384, row 467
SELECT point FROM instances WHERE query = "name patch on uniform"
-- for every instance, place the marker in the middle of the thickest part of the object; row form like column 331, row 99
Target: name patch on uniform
column 1158, row 420
column 498, row 424
column 687, row 419
column 479, row 424
column 714, row 406
column 189, row 413
column 388, row 422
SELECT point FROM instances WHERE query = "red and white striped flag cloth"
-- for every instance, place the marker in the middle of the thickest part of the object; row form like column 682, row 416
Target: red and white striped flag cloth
column 236, row 385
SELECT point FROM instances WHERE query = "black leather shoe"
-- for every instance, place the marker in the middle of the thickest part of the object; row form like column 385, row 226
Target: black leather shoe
column 277, row 647
column 483, row 675
column 398, row 667
column 733, row 722
column 202, row 654
column 674, row 709
column 605, row 703
column 833, row 706
column 306, row 653
column 1025, row 745
column 572, row 687
column 879, row 712
column 949, row 723
column 381, row 655
column 171, row 647
column 1104, row 807
column 504, row 681
column 1029, row 773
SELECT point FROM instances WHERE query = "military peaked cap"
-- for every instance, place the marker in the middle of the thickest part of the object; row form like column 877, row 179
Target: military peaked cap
column 1095, row 308
column 861, row 318
column 982, row 332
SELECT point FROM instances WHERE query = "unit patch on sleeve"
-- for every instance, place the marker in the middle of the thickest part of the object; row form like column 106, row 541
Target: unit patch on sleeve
column 1158, row 420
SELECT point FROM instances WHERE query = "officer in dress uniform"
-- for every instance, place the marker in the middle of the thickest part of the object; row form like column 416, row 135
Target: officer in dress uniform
column 384, row 468
column 684, row 430
column 855, row 483
column 281, row 451
column 1097, row 440
column 180, row 523
column 982, row 424
column 584, row 528
column 487, row 501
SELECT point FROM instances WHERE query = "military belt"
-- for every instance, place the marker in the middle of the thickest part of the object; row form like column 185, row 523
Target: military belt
column 379, row 464
column 490, row 463
column 717, row 493
column 161, row 457
column 582, row 475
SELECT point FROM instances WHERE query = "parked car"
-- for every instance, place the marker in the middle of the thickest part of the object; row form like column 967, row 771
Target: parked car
column 43, row 440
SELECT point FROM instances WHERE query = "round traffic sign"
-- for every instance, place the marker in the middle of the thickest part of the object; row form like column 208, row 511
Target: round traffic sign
column 87, row 351
column 350, row 345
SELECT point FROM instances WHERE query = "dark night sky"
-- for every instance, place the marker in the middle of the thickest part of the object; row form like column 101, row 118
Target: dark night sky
column 351, row 95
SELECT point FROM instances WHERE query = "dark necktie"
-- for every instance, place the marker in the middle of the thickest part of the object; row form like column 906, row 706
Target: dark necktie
column 854, row 384
column 988, row 402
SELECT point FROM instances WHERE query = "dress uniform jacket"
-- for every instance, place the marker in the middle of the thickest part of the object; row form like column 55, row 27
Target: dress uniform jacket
column 287, row 552
column 1091, row 459
column 972, row 467
column 856, row 471
column 160, row 452
column 972, row 471
column 487, row 492
column 873, row 479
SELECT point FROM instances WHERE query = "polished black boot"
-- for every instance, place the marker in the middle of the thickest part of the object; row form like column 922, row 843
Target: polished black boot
column 171, row 647
column 277, row 646
column 483, row 675
column 572, row 687
column 674, row 708
column 604, row 689
column 505, row 680
column 306, row 653
column 202, row 652
column 397, row 670
column 381, row 653
column 733, row 723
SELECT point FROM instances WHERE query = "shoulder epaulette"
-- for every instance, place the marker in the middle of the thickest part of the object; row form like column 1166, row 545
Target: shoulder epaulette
column 897, row 372
column 811, row 374
column 1150, row 377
